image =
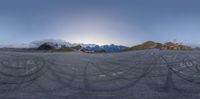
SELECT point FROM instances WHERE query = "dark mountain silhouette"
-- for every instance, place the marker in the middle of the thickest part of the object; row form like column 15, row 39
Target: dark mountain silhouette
column 46, row 46
column 78, row 47
column 53, row 47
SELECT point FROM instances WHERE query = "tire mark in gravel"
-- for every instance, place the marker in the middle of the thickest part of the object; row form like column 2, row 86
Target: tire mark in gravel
column 131, row 84
column 13, row 82
column 170, row 83
column 60, row 79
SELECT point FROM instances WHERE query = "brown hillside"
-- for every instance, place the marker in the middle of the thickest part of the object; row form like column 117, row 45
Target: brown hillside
column 154, row 45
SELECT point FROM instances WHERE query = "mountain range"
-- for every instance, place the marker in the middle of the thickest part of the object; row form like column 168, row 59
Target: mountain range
column 62, row 45
column 161, row 46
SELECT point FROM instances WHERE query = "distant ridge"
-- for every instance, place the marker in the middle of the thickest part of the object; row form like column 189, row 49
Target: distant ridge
column 155, row 45
column 61, row 45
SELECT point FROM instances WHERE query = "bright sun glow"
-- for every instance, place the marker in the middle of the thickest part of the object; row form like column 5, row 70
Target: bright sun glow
column 90, row 38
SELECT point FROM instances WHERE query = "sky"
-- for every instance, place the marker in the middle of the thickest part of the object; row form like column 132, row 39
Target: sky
column 124, row 22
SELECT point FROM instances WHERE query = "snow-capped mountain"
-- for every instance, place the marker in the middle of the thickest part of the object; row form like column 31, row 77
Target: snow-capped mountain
column 91, row 47
column 58, row 43
column 113, row 48
column 87, row 45
column 107, row 48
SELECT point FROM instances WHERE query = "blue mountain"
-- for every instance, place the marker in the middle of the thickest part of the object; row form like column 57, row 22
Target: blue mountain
column 106, row 48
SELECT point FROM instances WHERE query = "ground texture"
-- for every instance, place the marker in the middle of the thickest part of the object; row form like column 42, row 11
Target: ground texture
column 149, row 74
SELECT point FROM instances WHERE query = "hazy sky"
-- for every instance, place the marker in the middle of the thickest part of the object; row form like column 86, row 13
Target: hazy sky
column 125, row 22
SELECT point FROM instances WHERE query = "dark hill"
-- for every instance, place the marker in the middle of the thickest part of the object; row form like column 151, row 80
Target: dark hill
column 46, row 46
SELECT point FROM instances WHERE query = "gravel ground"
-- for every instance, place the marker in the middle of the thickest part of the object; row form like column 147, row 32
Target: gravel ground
column 148, row 74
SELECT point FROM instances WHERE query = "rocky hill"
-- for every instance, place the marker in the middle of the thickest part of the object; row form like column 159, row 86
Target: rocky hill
column 155, row 45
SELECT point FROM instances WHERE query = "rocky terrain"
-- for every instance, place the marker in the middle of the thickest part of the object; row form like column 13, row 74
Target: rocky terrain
column 155, row 45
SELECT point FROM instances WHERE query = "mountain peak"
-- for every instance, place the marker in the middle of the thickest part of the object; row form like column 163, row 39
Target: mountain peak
column 165, row 46
column 57, row 44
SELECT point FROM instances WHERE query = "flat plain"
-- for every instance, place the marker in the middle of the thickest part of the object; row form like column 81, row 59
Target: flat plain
column 146, row 74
